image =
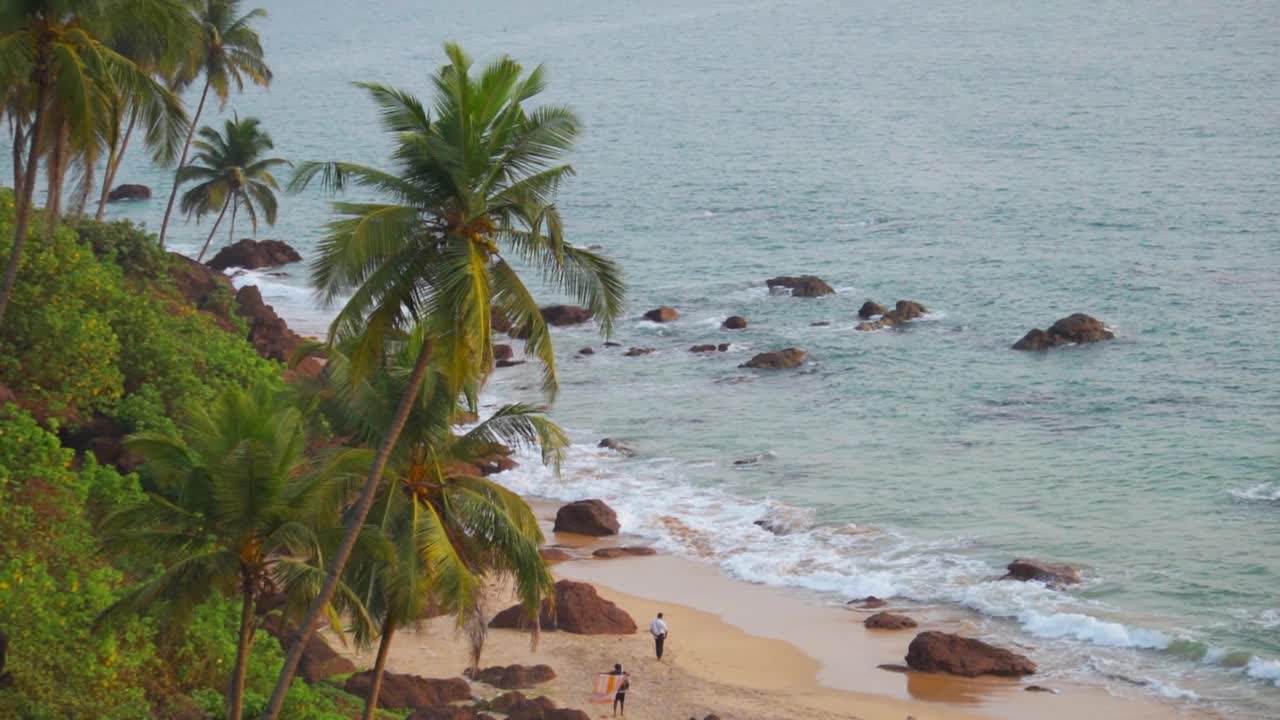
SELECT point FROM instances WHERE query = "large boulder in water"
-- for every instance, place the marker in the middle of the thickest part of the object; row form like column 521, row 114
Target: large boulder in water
column 129, row 192
column 662, row 314
column 1051, row 574
column 253, row 254
column 578, row 609
column 562, row 315
column 870, row 309
column 734, row 322
column 801, row 286
column 934, row 651
column 587, row 517
column 904, row 311
column 502, row 351
column 779, row 360
column 1076, row 329
column 408, row 692
column 512, row 677
column 319, row 661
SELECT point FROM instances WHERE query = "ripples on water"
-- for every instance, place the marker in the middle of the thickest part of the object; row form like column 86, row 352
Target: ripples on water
column 1005, row 164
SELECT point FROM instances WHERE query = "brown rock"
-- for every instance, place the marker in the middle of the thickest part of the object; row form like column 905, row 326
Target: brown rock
column 933, row 651
column 610, row 343
column 253, row 254
column 708, row 347
column 203, row 288
column 1076, row 329
column 502, row 351
column 890, row 667
column 444, row 712
column 903, row 312
column 578, row 609
column 734, row 322
column 870, row 309
column 554, row 555
column 1051, row 574
column 319, row 661
column 531, row 709
column 562, row 315
column 619, row 446
column 498, row 320
column 780, row 360
column 7, row 395
column 512, row 677
column 268, row 333
column 888, row 621
column 802, row 286
column 820, row 323
column 629, row 550
column 565, row 714
column 129, row 192
column 508, row 363
column 662, row 314
column 402, row 692
column 1040, row 688
column 638, row 351
column 587, row 517
column 587, row 351
column 869, row 602
column 506, row 701
column 104, row 437
column 723, row 347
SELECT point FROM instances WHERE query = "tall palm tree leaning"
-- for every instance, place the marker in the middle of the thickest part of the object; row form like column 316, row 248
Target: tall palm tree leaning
column 55, row 65
column 232, row 519
column 231, row 53
column 471, row 183
column 230, row 171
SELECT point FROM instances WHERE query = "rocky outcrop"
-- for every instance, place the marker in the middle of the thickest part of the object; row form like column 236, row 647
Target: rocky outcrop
column 578, row 609
column 779, row 360
column 903, row 312
column 506, row 701
column 512, row 677
column 203, row 288
column 802, row 286
column 1051, row 574
column 554, row 555
column 1076, row 329
column 933, row 651
column 662, row 314
column 888, row 621
column 319, row 661
column 516, row 706
column 619, row 446
column 408, row 692
column 587, row 517
column 562, row 315
column 268, row 332
column 870, row 309
column 706, row 348
column 625, row 551
column 129, row 192
column 734, row 322
column 253, row 254
column 502, row 351
column 104, row 437
column 638, row 351
column 446, row 712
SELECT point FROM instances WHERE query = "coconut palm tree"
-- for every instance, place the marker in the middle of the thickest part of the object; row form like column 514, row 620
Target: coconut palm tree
column 470, row 189
column 229, row 171
column 232, row 517
column 56, row 69
column 231, row 53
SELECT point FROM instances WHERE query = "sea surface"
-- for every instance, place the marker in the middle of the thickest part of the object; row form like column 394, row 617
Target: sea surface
column 1003, row 163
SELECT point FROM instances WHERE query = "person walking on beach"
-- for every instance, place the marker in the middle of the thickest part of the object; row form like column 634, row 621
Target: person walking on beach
column 620, row 696
column 658, row 628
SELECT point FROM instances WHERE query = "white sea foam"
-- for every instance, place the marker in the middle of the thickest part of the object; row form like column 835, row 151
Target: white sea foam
column 1265, row 491
column 1090, row 629
column 1262, row 669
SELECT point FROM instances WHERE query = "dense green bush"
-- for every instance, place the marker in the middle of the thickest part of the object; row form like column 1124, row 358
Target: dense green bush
column 127, row 245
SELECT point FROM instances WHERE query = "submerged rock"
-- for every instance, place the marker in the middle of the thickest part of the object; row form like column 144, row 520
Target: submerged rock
column 869, row 602
column 253, row 254
column 626, row 551
column 509, row 363
column 638, row 351
column 903, row 312
column 578, row 609
column 554, row 555
column 502, row 351
column 870, row 309
column 662, row 314
column 933, row 651
column 779, row 360
column 1049, row 573
column 801, row 286
column 888, row 621
column 734, row 322
column 587, row 517
column 1076, row 329
column 619, row 446
column 129, row 192
column 562, row 315
column 587, row 351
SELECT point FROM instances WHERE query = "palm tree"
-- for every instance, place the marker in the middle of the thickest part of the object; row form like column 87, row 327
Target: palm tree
column 56, row 70
column 232, row 517
column 231, row 172
column 468, row 188
column 231, row 53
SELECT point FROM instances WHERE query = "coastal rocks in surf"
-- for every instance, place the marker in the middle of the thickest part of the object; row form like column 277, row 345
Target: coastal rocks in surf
column 564, row 315
column 626, row 551
column 587, row 517
column 512, row 677
column 268, row 332
column 662, row 314
column 869, row 602
column 888, row 621
column 1077, row 329
column 509, row 363
column 319, row 661
column 639, row 351
column 502, row 351
column 408, row 692
column 587, row 351
column 904, row 311
column 129, row 192
column 621, row 447
column 734, row 322
column 801, row 286
column 554, row 554
column 578, row 609
column 709, row 347
column 871, row 309
column 254, row 254
column 933, row 651
column 779, row 360
column 1052, row 574
column 498, row 320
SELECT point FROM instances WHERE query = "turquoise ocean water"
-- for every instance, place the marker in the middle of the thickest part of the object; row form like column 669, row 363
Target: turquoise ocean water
column 1003, row 163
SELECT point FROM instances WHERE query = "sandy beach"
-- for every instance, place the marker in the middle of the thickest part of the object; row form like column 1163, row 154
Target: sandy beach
column 743, row 651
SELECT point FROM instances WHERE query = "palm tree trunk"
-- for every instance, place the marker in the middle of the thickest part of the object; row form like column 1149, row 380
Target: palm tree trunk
column 371, row 703
column 18, row 144
column 113, row 165
column 235, row 698
column 23, row 211
column 191, row 131
column 339, row 560
column 231, row 233
column 55, row 171
column 213, row 230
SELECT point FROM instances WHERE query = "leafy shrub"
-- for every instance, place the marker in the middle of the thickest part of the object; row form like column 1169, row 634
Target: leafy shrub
column 126, row 244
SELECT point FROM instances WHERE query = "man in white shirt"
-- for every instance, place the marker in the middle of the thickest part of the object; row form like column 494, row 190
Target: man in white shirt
column 658, row 628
